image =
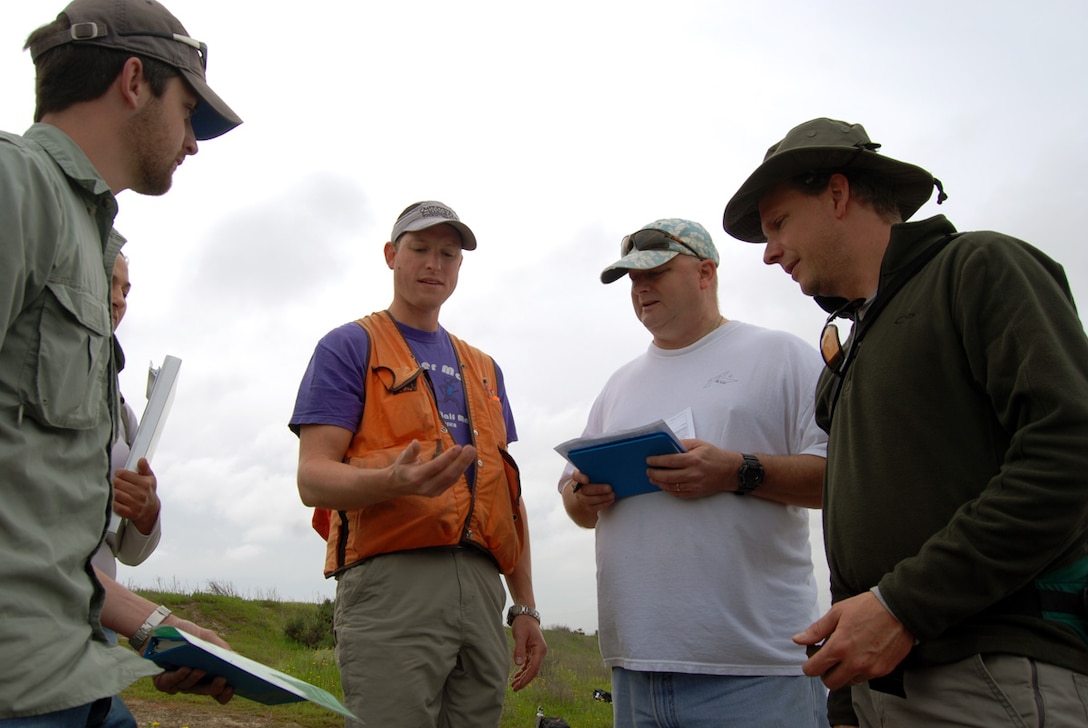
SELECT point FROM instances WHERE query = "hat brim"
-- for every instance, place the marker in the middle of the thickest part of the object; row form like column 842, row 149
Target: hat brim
column 637, row 260
column 913, row 185
column 212, row 116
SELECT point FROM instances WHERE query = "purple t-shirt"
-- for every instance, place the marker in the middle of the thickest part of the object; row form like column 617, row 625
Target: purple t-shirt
column 332, row 391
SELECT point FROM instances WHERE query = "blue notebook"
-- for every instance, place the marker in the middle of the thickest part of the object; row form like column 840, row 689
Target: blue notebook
column 622, row 462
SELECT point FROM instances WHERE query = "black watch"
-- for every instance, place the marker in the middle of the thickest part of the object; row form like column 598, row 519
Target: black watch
column 750, row 476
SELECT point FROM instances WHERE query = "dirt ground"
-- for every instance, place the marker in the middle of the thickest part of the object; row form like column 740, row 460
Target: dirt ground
column 167, row 714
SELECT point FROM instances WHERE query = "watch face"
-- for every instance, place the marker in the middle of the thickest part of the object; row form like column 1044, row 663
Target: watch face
column 750, row 474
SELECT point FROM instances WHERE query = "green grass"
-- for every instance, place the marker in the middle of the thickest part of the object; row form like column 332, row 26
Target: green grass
column 257, row 629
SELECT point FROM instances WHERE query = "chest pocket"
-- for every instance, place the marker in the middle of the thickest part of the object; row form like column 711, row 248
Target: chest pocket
column 63, row 380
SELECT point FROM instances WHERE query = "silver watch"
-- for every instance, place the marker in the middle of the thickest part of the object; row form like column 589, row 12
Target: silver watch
column 137, row 640
column 519, row 609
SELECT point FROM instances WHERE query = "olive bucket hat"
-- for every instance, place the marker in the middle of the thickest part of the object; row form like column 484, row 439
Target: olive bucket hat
column 824, row 145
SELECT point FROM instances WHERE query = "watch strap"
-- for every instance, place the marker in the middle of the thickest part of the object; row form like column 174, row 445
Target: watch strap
column 519, row 609
column 154, row 620
column 750, row 476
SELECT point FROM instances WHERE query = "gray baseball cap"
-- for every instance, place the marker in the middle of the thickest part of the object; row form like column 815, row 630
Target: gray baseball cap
column 422, row 215
column 146, row 28
column 659, row 242
column 824, row 145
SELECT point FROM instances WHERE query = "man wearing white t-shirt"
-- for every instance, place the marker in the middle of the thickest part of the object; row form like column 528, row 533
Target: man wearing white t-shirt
column 701, row 585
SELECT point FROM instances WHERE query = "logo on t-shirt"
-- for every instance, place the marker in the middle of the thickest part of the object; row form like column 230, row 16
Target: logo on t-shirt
column 448, row 393
column 725, row 377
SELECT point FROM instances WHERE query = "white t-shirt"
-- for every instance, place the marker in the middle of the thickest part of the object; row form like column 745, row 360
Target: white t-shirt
column 716, row 585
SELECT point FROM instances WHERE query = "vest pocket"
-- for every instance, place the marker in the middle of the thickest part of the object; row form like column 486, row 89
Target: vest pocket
column 377, row 459
column 513, row 483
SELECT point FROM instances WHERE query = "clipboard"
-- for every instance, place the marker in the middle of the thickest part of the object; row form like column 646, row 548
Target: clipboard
column 161, row 385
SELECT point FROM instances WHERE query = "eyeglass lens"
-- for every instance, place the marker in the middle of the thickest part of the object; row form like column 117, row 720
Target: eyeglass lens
column 831, row 347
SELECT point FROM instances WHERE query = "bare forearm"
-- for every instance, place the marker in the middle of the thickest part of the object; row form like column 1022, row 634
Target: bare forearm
column 124, row 610
column 529, row 645
column 796, row 480
column 326, row 481
column 339, row 486
column 520, row 580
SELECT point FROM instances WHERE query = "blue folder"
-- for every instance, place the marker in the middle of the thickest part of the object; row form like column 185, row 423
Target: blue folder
column 622, row 463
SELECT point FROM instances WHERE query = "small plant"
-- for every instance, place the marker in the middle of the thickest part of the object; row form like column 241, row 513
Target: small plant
column 223, row 589
column 312, row 627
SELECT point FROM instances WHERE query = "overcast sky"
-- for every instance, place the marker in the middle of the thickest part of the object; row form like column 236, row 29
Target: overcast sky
column 553, row 130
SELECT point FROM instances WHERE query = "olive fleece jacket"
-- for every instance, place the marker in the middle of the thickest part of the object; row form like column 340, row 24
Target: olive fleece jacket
column 957, row 469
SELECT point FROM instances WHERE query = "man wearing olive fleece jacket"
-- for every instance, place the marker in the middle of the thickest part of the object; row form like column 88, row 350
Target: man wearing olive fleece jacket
column 956, row 493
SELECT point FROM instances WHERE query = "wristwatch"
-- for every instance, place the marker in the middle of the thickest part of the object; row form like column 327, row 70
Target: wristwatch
column 750, row 476
column 137, row 640
column 519, row 609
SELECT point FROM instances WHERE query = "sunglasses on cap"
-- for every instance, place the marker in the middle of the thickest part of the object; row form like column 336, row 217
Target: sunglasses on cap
column 654, row 240
column 201, row 46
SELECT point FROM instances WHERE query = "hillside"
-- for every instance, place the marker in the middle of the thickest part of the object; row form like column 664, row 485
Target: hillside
column 260, row 629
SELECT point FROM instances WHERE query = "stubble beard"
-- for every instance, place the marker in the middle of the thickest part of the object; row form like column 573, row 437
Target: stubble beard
column 152, row 175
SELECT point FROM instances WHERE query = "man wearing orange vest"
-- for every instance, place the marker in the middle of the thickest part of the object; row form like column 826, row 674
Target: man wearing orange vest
column 403, row 432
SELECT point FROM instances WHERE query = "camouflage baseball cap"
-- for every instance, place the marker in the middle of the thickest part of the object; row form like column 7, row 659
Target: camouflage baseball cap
column 658, row 243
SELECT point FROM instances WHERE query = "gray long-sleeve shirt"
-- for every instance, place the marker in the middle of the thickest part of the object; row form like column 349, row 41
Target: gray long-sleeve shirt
column 56, row 387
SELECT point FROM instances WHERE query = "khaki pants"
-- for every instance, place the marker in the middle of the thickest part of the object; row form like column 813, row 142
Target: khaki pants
column 987, row 691
column 420, row 640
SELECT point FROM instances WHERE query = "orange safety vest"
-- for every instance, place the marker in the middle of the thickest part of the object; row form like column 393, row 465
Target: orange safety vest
column 400, row 407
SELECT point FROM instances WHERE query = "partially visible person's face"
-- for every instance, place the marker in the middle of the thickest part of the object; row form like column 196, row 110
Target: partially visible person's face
column 119, row 291
column 425, row 266
column 667, row 300
column 161, row 136
column 801, row 238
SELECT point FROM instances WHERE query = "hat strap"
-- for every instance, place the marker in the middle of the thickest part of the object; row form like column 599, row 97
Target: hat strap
column 941, row 194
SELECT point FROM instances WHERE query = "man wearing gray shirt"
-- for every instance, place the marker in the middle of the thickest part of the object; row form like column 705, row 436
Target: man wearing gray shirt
column 121, row 101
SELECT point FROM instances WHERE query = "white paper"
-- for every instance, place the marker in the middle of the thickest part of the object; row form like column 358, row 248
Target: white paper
column 578, row 443
column 682, row 424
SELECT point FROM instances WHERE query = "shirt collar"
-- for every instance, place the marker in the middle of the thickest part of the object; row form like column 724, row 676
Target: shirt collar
column 70, row 158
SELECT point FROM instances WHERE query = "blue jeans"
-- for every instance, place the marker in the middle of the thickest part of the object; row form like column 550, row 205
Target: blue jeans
column 104, row 713
column 675, row 700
